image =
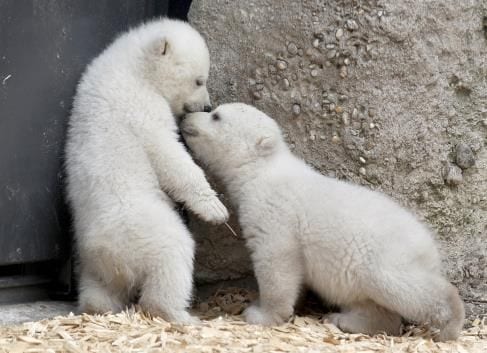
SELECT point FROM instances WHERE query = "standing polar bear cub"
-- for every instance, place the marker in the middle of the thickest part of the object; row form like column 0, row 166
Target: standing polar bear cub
column 126, row 167
column 356, row 248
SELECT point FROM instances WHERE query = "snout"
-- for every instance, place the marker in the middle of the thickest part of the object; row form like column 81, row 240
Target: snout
column 187, row 126
column 189, row 130
column 193, row 108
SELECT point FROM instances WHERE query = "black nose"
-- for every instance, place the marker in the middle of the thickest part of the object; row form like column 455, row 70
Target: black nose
column 207, row 108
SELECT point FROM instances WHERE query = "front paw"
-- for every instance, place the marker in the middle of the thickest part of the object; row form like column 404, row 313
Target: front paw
column 211, row 210
column 182, row 317
column 257, row 316
column 187, row 319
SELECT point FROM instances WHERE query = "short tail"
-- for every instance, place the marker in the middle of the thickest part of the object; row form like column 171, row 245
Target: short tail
column 452, row 328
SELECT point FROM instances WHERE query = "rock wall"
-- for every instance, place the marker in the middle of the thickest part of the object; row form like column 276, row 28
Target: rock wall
column 388, row 94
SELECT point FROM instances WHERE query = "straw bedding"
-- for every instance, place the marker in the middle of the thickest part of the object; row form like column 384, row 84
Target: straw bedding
column 221, row 330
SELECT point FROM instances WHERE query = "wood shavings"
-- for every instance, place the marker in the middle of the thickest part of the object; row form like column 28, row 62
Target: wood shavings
column 29, row 339
column 134, row 331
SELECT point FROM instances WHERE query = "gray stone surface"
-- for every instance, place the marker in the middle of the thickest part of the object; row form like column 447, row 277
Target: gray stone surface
column 380, row 93
column 13, row 314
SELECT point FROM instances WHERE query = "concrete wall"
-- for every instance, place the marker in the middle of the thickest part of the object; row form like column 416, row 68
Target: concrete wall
column 388, row 94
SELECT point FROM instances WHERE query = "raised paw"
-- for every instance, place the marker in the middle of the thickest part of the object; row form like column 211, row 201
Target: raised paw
column 211, row 209
column 257, row 316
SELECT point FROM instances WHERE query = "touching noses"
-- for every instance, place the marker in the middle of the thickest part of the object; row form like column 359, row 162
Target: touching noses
column 198, row 102
column 188, row 108
column 207, row 105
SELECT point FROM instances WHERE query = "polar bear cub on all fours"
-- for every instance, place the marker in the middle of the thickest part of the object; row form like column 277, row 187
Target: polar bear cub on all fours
column 126, row 167
column 356, row 248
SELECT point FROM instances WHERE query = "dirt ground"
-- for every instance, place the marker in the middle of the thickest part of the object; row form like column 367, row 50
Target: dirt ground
column 221, row 330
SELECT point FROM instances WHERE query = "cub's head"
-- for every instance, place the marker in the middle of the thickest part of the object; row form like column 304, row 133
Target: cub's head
column 177, row 62
column 230, row 136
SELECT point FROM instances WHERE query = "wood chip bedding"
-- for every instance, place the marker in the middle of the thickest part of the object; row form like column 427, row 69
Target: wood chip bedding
column 221, row 330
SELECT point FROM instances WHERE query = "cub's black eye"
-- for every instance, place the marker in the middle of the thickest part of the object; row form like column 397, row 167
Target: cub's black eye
column 215, row 116
column 199, row 82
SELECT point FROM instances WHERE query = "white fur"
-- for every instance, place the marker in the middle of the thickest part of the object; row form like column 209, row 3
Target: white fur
column 357, row 248
column 126, row 165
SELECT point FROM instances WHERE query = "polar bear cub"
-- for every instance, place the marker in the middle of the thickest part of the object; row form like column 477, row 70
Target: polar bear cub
column 126, row 167
column 356, row 248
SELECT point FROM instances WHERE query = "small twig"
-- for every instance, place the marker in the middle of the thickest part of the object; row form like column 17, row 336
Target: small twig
column 231, row 230
column 4, row 81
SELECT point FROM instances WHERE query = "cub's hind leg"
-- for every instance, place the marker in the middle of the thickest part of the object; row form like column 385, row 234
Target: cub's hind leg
column 423, row 298
column 168, row 265
column 368, row 318
column 96, row 297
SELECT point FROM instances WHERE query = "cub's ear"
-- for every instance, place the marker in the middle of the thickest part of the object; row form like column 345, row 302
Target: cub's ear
column 266, row 144
column 160, row 47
